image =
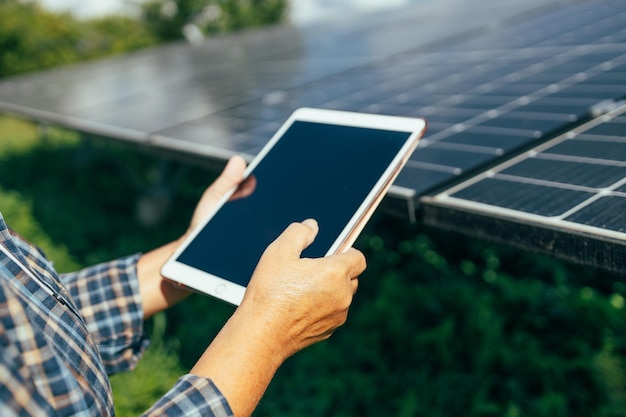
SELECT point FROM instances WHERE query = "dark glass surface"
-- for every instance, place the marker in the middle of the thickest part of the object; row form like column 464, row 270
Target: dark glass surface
column 598, row 92
column 615, row 129
column 421, row 179
column 568, row 172
column 473, row 136
column 539, row 122
column 484, row 102
column 608, row 78
column 607, row 213
column 576, row 106
column 315, row 171
column 517, row 89
column 451, row 158
column 595, row 149
column 527, row 198
column 448, row 115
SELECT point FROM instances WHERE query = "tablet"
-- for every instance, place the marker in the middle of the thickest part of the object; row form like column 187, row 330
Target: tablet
column 332, row 166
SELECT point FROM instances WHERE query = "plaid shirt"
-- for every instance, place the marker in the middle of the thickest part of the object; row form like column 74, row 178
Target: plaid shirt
column 61, row 335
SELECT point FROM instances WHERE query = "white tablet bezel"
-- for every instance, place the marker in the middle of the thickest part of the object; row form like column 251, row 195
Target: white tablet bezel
column 201, row 281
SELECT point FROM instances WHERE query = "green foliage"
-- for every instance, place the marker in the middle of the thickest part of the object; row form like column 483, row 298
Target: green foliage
column 113, row 35
column 18, row 213
column 18, row 210
column 430, row 335
column 101, row 225
column 17, row 136
column 156, row 373
column 32, row 38
column 167, row 19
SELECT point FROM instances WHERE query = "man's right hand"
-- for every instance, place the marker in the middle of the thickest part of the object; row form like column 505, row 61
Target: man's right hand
column 290, row 303
column 301, row 301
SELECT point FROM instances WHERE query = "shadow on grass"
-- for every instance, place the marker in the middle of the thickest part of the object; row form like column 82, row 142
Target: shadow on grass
column 87, row 197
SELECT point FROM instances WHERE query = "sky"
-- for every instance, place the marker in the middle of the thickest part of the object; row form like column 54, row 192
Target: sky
column 83, row 8
column 301, row 11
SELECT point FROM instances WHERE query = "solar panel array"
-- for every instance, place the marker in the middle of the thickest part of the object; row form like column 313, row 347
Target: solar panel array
column 483, row 99
column 493, row 79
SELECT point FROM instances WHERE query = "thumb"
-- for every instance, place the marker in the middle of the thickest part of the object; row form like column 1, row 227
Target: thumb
column 229, row 178
column 297, row 237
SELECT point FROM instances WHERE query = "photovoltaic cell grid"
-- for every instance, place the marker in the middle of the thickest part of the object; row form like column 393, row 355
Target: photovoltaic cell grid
column 573, row 185
column 564, row 197
column 483, row 98
column 542, row 88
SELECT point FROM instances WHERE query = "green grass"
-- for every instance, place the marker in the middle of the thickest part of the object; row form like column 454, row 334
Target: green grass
column 156, row 373
column 17, row 136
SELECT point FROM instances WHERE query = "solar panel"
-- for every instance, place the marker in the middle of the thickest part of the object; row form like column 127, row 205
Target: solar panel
column 565, row 196
column 493, row 79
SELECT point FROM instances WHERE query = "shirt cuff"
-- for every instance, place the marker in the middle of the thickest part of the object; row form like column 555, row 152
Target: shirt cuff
column 192, row 396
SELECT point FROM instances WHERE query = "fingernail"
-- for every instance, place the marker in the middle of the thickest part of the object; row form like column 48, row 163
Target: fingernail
column 312, row 223
column 231, row 165
column 231, row 161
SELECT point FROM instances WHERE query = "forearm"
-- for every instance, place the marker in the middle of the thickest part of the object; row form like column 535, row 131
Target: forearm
column 242, row 360
column 157, row 294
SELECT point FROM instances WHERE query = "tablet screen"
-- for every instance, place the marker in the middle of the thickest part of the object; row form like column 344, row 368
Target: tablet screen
column 315, row 170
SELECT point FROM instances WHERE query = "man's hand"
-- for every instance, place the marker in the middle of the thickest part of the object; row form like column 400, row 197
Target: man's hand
column 290, row 303
column 158, row 294
column 302, row 301
column 231, row 177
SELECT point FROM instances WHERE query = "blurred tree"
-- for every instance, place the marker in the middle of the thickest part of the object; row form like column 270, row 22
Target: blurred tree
column 174, row 19
column 32, row 38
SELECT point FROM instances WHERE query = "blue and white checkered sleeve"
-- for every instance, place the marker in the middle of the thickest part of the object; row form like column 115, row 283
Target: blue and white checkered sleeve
column 108, row 298
column 192, row 396
column 21, row 356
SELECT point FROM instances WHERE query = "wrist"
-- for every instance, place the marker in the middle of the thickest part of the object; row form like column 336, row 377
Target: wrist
column 157, row 294
column 261, row 325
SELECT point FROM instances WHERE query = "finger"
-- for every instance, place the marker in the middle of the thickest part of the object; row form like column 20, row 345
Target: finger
column 352, row 260
column 245, row 188
column 355, row 284
column 229, row 178
column 312, row 224
column 297, row 237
